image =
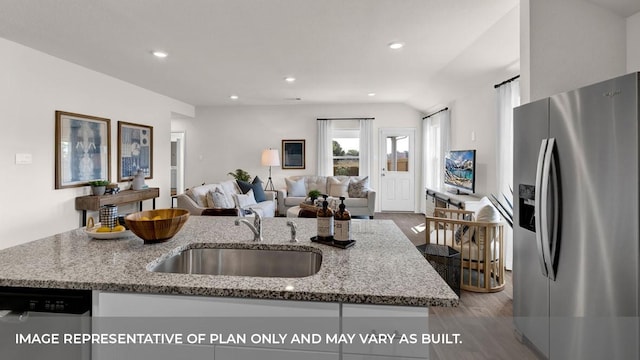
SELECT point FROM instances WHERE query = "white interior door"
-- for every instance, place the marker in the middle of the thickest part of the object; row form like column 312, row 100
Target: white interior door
column 177, row 163
column 397, row 169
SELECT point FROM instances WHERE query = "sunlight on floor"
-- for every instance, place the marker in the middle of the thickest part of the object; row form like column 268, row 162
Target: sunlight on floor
column 418, row 228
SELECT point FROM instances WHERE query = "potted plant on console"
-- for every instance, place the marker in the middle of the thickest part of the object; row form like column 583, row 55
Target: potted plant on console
column 98, row 187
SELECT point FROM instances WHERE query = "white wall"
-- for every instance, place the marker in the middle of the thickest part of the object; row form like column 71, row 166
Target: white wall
column 473, row 99
column 633, row 43
column 224, row 138
column 33, row 86
column 572, row 43
column 475, row 111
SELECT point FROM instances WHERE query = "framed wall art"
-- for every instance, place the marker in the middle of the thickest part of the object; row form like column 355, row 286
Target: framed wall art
column 293, row 154
column 135, row 150
column 82, row 149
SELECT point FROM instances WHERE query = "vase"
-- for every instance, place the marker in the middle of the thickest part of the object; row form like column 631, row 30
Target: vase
column 138, row 181
column 98, row 190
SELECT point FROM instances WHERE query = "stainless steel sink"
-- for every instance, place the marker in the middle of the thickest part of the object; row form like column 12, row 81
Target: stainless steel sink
column 242, row 262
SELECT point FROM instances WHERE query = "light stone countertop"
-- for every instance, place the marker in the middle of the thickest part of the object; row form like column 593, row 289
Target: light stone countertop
column 382, row 268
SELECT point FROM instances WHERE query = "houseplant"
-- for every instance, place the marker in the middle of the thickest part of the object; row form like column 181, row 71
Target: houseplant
column 240, row 174
column 505, row 210
column 313, row 195
column 98, row 187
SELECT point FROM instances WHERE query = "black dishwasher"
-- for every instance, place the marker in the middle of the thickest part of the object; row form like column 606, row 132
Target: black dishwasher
column 34, row 323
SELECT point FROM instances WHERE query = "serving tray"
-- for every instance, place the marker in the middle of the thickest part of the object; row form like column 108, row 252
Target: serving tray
column 341, row 245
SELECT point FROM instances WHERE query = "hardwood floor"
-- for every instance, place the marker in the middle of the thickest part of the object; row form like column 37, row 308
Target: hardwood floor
column 484, row 321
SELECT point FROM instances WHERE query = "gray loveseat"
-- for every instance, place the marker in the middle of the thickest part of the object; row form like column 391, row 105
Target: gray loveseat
column 360, row 199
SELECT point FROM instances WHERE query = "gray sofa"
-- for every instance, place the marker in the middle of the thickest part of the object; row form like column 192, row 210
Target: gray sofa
column 198, row 200
column 360, row 199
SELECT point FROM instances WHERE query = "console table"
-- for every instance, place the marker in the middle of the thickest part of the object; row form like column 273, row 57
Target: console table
column 93, row 203
column 445, row 199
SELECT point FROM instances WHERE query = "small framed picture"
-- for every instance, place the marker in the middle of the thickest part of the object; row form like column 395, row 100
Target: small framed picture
column 135, row 150
column 83, row 149
column 293, row 154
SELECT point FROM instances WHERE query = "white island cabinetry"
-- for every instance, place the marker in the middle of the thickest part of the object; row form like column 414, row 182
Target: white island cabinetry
column 383, row 328
column 270, row 318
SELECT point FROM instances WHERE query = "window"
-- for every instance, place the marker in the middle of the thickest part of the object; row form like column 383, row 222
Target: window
column 344, row 146
column 346, row 152
column 397, row 153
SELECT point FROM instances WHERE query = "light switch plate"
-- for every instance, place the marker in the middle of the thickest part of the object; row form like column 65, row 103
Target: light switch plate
column 24, row 159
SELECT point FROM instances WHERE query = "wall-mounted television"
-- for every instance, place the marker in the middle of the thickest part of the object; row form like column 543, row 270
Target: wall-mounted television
column 460, row 170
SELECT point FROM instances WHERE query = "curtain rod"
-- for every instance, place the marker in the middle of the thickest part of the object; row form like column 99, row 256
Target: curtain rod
column 505, row 82
column 437, row 112
column 359, row 118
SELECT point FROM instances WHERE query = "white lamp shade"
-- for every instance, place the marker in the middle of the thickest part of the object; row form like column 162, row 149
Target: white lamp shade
column 270, row 157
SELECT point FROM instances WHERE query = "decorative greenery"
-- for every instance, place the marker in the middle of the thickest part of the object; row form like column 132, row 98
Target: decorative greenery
column 240, row 174
column 99, row 183
column 337, row 149
column 314, row 194
column 505, row 211
column 341, row 170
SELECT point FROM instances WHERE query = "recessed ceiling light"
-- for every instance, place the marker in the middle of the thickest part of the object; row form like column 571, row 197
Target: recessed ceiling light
column 371, row 94
column 160, row 54
column 233, row 97
column 289, row 79
column 396, row 45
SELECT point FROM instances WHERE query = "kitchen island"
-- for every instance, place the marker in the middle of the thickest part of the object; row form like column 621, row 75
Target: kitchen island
column 382, row 268
column 383, row 275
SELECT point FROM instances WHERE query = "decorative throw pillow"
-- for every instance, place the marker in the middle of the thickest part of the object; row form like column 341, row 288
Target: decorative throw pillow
column 230, row 187
column 258, row 192
column 487, row 213
column 462, row 229
column 337, row 187
column 296, row 187
column 245, row 200
column 358, row 188
column 199, row 194
column 217, row 199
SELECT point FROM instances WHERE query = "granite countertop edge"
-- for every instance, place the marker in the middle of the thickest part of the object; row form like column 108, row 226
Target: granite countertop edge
column 384, row 268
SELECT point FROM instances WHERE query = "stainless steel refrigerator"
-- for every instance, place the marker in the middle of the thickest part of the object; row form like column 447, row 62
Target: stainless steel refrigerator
column 576, row 219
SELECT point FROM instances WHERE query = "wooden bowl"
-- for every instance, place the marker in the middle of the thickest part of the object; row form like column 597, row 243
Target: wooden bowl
column 158, row 225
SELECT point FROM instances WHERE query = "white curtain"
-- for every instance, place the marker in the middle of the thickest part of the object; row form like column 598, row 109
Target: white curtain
column 508, row 98
column 436, row 130
column 366, row 138
column 325, row 148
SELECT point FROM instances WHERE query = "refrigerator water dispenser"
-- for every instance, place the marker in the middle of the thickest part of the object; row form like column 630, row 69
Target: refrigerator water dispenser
column 527, row 199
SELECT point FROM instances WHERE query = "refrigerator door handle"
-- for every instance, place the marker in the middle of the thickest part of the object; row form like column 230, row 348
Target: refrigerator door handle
column 540, row 189
column 551, row 174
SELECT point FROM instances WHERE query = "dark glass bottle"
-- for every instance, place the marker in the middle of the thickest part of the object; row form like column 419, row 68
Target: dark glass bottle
column 325, row 221
column 342, row 223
